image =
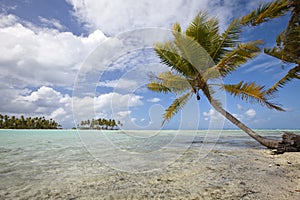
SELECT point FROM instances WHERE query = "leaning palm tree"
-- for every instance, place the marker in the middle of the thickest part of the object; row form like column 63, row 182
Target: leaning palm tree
column 287, row 46
column 202, row 54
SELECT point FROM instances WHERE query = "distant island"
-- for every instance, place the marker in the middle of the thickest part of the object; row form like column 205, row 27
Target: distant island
column 99, row 124
column 12, row 122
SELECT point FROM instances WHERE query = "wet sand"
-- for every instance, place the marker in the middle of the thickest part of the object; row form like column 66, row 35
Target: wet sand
column 222, row 174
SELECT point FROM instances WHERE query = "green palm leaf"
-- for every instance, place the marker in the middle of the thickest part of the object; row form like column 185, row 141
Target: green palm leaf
column 192, row 52
column 251, row 92
column 228, row 40
column 175, row 82
column 205, row 31
column 176, row 106
column 294, row 73
column 170, row 56
column 235, row 58
column 265, row 12
column 158, row 87
column 279, row 53
column 287, row 46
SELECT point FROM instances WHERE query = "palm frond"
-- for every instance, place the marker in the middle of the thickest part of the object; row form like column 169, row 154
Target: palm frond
column 279, row 53
column 158, row 87
column 193, row 52
column 170, row 56
column 289, row 42
column 175, row 82
column 265, row 12
column 287, row 46
column 294, row 73
column 233, row 59
column 228, row 39
column 176, row 106
column 251, row 92
column 205, row 31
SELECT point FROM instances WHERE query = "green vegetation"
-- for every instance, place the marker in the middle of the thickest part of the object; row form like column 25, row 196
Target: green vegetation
column 287, row 46
column 202, row 54
column 12, row 122
column 108, row 124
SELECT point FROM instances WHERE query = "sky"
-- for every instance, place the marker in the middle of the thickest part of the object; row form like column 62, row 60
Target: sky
column 72, row 60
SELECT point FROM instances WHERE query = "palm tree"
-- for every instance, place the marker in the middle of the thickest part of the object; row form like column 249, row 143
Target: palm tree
column 6, row 118
column 113, row 124
column 287, row 46
column 1, row 121
column 191, row 57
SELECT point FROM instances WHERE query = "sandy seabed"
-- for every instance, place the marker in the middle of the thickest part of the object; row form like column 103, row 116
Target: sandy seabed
column 222, row 174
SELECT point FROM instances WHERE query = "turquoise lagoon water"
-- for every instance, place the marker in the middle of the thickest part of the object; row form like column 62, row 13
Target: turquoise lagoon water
column 41, row 158
column 28, row 147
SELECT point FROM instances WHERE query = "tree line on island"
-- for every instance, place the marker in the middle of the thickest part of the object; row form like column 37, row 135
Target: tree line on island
column 13, row 122
column 100, row 123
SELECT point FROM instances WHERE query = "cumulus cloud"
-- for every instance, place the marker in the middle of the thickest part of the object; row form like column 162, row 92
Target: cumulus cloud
column 58, row 112
column 114, row 16
column 45, row 101
column 33, row 56
column 108, row 105
column 51, row 103
column 42, row 58
column 116, row 101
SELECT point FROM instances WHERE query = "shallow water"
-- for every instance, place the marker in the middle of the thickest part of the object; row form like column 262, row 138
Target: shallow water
column 41, row 158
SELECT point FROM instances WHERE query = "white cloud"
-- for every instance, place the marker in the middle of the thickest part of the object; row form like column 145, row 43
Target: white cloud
column 58, row 112
column 116, row 101
column 154, row 100
column 33, row 56
column 7, row 20
column 115, row 16
column 109, row 105
column 45, row 101
column 51, row 103
column 126, row 84
column 251, row 113
column 123, row 114
column 212, row 115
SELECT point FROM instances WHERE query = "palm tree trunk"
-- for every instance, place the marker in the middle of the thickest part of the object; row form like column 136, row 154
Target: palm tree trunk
column 290, row 141
column 270, row 143
column 267, row 142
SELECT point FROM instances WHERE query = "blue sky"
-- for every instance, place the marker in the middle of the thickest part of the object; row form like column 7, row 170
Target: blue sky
column 48, row 48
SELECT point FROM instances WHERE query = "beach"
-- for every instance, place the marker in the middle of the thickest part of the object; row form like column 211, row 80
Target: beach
column 70, row 172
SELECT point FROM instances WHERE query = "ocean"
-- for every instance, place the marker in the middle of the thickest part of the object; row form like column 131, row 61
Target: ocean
column 41, row 158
